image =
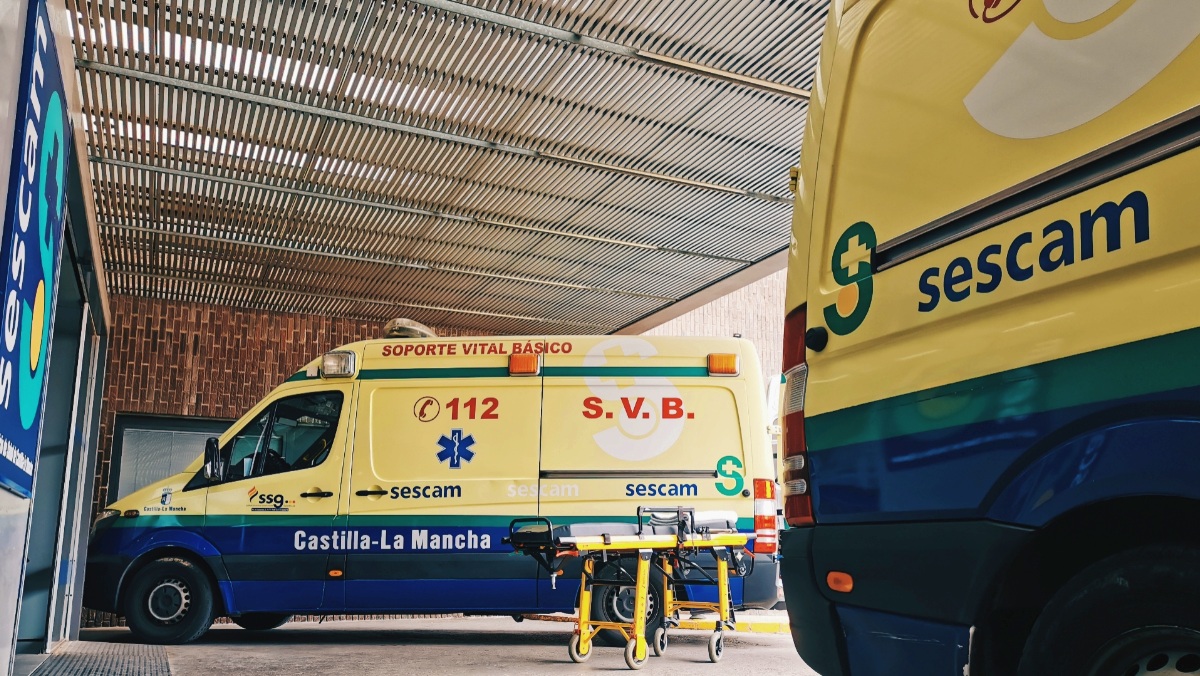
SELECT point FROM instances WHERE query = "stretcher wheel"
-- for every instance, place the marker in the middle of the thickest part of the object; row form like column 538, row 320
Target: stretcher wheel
column 631, row 659
column 573, row 650
column 660, row 642
column 716, row 646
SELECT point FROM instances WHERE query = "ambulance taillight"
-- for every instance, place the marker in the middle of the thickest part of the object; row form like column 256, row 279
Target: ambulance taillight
column 797, row 488
column 766, row 533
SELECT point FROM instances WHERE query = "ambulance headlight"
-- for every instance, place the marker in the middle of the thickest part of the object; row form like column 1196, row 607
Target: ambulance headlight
column 103, row 520
column 337, row 364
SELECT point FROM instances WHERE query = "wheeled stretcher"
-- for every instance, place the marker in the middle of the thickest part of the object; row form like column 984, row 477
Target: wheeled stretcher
column 664, row 541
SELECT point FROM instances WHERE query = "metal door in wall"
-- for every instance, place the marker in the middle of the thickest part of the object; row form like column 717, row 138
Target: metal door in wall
column 72, row 523
column 53, row 492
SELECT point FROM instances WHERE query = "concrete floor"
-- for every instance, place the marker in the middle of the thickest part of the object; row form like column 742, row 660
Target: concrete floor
column 451, row 646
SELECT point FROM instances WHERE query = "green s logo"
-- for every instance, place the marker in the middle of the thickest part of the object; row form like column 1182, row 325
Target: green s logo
column 851, row 266
column 730, row 468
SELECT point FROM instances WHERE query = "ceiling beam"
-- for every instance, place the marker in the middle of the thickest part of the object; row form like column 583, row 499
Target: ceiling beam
column 721, row 287
column 117, row 270
column 614, row 48
column 385, row 206
column 289, row 246
column 363, row 120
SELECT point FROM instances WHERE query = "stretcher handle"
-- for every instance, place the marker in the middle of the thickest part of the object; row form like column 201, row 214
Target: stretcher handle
column 530, row 520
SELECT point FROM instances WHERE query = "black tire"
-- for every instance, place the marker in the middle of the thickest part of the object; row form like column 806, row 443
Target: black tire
column 1133, row 613
column 261, row 621
column 615, row 604
column 169, row 601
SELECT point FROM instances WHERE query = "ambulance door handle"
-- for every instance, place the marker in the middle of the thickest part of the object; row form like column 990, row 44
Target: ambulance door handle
column 816, row 338
column 317, row 494
column 366, row 493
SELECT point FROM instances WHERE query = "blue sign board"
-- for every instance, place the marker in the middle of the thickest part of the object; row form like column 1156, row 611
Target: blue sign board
column 31, row 249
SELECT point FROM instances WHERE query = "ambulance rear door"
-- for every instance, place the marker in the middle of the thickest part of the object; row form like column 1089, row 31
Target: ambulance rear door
column 631, row 422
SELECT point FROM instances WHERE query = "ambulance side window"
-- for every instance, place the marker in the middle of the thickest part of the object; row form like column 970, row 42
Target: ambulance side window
column 293, row 433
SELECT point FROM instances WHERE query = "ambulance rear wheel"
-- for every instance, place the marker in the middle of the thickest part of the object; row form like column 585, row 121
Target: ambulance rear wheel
column 169, row 601
column 615, row 604
column 1133, row 613
column 573, row 650
column 261, row 621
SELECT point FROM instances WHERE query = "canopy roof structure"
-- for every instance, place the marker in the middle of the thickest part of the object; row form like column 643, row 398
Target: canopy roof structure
column 503, row 166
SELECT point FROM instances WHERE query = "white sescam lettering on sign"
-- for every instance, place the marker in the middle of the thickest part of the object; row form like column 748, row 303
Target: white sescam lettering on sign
column 15, row 456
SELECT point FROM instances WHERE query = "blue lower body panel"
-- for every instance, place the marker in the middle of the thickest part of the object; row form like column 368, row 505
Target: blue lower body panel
column 443, row 595
column 883, row 644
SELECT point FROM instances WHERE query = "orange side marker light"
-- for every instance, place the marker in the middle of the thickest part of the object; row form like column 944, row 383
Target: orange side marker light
column 839, row 581
column 524, row 364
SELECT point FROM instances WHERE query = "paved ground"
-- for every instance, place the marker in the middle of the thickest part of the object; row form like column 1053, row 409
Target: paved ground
column 450, row 646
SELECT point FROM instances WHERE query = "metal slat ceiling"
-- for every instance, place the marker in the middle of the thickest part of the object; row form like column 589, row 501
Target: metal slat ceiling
column 507, row 166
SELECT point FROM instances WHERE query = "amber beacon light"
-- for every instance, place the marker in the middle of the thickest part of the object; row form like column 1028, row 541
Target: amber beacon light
column 527, row 364
column 723, row 365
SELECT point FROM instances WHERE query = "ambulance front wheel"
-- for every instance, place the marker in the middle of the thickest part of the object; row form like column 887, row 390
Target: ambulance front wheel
column 169, row 601
column 573, row 650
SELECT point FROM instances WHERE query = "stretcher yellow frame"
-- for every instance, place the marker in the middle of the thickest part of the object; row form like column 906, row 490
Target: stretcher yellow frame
column 660, row 549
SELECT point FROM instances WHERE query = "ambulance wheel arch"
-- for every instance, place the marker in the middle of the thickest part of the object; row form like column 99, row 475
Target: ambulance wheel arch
column 1074, row 541
column 171, row 551
column 170, row 596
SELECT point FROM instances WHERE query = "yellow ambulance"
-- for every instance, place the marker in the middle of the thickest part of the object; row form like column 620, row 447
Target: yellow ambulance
column 991, row 342
column 382, row 478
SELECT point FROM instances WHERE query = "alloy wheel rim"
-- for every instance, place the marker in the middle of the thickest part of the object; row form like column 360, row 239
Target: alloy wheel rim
column 169, row 601
column 621, row 603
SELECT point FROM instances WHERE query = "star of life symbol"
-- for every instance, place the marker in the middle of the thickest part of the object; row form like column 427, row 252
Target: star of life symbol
column 856, row 250
column 456, row 448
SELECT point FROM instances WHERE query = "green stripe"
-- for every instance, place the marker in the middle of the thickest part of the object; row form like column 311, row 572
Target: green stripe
column 298, row 376
column 1160, row 364
column 627, row 371
column 376, row 519
column 160, row 521
column 402, row 374
column 549, row 371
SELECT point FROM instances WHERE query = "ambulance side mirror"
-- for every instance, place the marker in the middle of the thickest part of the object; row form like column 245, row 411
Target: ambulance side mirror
column 214, row 464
